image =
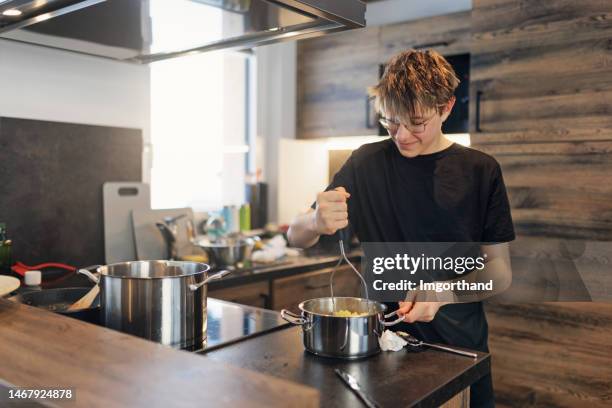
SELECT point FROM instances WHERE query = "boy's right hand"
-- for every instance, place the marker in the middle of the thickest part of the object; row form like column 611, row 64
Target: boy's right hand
column 331, row 213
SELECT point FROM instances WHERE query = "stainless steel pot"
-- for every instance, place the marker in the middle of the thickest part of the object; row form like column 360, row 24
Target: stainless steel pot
column 342, row 337
column 163, row 301
column 227, row 252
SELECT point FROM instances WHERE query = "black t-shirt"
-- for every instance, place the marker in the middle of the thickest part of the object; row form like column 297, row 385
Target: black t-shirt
column 454, row 195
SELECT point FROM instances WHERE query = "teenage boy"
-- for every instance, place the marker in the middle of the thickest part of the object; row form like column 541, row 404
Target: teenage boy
column 418, row 186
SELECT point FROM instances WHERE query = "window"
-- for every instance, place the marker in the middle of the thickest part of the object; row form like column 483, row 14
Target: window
column 199, row 123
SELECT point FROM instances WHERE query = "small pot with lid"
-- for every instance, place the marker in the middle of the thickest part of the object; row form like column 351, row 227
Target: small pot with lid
column 329, row 334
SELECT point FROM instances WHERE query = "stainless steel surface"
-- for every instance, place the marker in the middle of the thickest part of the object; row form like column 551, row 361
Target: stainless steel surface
column 344, row 337
column 352, row 383
column 226, row 252
column 169, row 230
column 143, row 31
column 212, row 277
column 153, row 300
column 413, row 341
column 393, row 322
column 359, row 275
column 35, row 11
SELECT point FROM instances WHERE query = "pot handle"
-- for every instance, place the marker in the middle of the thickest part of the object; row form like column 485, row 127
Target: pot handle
column 218, row 275
column 90, row 275
column 293, row 318
column 393, row 322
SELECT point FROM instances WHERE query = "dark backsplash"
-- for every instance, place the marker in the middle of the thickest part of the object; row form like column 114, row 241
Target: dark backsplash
column 51, row 177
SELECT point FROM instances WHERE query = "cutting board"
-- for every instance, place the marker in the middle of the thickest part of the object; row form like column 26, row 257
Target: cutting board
column 150, row 244
column 120, row 199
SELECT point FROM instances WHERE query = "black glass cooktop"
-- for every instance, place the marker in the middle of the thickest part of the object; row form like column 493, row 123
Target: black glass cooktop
column 229, row 323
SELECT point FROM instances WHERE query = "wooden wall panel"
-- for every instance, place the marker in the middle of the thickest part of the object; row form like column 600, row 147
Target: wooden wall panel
column 335, row 71
column 545, row 70
column 448, row 34
column 561, row 189
column 551, row 354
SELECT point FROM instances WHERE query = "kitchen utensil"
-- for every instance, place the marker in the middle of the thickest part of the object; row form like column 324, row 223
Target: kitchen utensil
column 227, row 252
column 8, row 284
column 414, row 342
column 120, row 199
column 86, row 301
column 343, row 237
column 352, row 383
column 59, row 300
column 150, row 243
column 163, row 301
column 344, row 337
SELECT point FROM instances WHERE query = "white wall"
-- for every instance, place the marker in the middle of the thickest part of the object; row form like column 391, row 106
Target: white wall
column 276, row 106
column 47, row 84
column 305, row 172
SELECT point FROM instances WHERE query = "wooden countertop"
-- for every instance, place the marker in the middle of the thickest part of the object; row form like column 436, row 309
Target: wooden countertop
column 393, row 379
column 110, row 369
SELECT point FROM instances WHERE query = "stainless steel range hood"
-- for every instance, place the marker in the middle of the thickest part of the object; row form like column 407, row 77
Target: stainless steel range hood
column 144, row 31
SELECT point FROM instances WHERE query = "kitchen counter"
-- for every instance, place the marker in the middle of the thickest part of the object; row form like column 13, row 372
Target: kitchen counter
column 289, row 266
column 425, row 379
column 111, row 369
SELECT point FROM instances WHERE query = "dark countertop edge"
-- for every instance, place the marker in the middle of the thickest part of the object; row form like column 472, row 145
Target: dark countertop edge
column 302, row 265
column 445, row 392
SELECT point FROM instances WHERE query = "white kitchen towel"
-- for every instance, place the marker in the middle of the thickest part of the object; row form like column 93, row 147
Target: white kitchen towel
column 389, row 341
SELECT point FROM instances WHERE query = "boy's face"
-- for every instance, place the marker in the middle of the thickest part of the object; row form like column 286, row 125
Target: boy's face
column 422, row 135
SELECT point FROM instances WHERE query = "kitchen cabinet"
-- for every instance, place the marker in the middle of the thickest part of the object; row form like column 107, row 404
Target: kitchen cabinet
column 252, row 294
column 335, row 71
column 289, row 292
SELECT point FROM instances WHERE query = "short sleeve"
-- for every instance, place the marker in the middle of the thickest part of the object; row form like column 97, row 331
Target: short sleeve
column 498, row 226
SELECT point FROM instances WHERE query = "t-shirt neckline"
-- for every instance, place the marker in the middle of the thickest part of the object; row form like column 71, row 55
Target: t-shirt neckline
column 426, row 157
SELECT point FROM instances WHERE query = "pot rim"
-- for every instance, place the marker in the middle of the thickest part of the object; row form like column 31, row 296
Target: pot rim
column 103, row 269
column 384, row 307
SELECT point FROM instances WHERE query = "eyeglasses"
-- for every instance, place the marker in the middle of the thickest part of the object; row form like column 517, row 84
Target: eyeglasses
column 392, row 125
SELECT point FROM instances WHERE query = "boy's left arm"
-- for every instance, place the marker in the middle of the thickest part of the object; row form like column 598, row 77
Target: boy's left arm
column 422, row 306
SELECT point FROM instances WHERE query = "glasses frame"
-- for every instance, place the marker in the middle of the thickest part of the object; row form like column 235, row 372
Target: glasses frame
column 387, row 123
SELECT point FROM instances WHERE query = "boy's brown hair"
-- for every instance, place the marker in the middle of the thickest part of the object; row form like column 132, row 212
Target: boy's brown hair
column 414, row 80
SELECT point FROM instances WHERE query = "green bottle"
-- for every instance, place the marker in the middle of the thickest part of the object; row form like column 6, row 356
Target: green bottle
column 245, row 217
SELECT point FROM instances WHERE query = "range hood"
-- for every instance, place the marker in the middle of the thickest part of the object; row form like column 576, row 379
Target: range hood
column 144, row 31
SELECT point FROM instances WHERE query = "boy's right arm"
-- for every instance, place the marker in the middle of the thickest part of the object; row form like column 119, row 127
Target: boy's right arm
column 330, row 215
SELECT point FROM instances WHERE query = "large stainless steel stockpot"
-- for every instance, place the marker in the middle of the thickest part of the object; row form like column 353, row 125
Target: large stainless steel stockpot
column 163, row 301
column 343, row 337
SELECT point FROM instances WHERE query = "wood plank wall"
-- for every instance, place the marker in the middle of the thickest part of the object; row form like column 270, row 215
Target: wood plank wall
column 545, row 70
column 335, row 71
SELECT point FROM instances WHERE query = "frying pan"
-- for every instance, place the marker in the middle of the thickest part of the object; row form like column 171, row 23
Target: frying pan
column 58, row 300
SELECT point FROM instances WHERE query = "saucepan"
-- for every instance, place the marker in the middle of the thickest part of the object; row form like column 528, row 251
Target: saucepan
column 162, row 301
column 327, row 334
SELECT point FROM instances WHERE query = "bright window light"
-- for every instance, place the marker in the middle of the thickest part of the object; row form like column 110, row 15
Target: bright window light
column 197, row 122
